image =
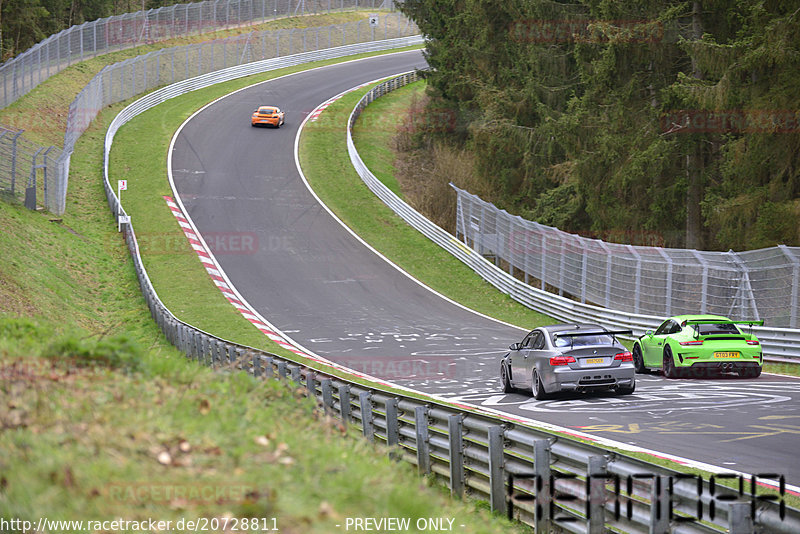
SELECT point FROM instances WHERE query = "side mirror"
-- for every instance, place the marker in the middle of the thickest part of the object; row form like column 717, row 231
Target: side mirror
column 649, row 333
column 515, row 346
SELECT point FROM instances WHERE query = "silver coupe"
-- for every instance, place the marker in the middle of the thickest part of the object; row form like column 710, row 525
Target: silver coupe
column 576, row 357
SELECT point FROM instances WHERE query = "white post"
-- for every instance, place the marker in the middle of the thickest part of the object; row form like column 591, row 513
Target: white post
column 122, row 185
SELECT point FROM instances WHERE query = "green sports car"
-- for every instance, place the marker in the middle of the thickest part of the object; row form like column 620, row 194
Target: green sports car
column 699, row 345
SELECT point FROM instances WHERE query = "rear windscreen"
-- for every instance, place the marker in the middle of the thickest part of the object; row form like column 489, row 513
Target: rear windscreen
column 716, row 329
column 565, row 340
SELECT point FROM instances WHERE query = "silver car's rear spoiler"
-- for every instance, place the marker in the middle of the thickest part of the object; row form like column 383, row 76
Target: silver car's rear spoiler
column 595, row 333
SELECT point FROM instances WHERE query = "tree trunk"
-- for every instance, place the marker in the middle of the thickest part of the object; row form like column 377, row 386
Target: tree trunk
column 694, row 159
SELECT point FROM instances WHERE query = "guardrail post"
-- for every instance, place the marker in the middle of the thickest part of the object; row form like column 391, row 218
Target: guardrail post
column 740, row 520
column 214, row 353
column 256, row 366
column 281, row 369
column 311, row 384
column 327, row 394
column 268, row 373
column 344, row 402
column 544, row 490
column 596, row 494
column 392, row 423
column 295, row 370
column 195, row 345
column 456, row 446
column 423, row 447
column 659, row 505
column 366, row 415
column 497, row 497
column 231, row 354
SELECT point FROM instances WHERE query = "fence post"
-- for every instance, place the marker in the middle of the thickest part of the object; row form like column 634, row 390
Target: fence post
column 344, row 402
column 295, row 370
column 704, row 284
column 740, row 520
column 268, row 373
column 668, row 292
column 365, row 401
column 281, row 369
column 497, row 496
column 311, row 384
column 659, row 505
column 423, row 447
column 256, row 365
column 327, row 394
column 638, row 280
column 392, row 423
column 596, row 494
column 456, row 446
column 544, row 489
column 793, row 305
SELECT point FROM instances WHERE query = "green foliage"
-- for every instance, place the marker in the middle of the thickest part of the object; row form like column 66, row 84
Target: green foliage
column 577, row 112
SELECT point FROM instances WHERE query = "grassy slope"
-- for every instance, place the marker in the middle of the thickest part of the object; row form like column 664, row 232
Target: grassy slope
column 85, row 440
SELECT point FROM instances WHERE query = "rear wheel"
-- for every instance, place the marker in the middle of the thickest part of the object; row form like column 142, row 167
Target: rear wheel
column 670, row 371
column 507, row 387
column 638, row 360
column 536, row 386
column 750, row 372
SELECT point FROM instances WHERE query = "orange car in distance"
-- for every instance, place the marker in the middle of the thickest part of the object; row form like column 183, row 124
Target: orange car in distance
column 269, row 115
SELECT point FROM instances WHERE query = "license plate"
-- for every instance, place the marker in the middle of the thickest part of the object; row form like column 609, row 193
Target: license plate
column 594, row 360
column 726, row 354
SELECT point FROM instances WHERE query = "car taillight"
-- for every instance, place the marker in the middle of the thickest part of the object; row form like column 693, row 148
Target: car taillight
column 624, row 356
column 695, row 342
column 562, row 360
column 752, row 342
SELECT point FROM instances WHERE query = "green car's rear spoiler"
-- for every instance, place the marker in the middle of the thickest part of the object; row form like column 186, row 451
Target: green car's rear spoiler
column 724, row 321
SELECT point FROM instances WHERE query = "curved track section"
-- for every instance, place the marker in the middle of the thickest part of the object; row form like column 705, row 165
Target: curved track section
column 317, row 283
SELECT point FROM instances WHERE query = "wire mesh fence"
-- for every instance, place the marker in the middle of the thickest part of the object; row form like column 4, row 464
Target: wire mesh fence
column 21, row 74
column 128, row 78
column 32, row 174
column 650, row 280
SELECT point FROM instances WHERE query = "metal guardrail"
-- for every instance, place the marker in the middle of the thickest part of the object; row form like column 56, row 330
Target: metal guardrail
column 555, row 483
column 779, row 344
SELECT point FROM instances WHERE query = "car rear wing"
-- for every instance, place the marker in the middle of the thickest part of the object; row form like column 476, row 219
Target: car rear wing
column 750, row 323
column 571, row 335
column 724, row 321
column 595, row 333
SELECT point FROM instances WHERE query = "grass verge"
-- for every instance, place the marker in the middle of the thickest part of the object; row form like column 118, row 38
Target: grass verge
column 98, row 430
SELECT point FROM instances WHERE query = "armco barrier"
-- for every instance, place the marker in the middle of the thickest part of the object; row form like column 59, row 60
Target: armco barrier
column 780, row 344
column 554, row 483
